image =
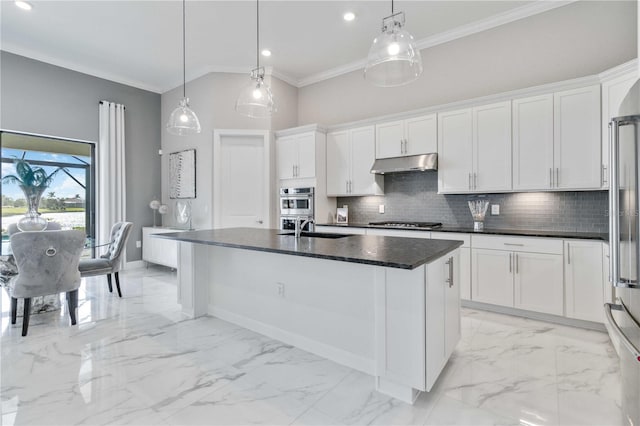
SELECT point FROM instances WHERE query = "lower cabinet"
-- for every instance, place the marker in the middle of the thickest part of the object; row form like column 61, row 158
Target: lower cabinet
column 583, row 276
column 516, row 277
column 159, row 250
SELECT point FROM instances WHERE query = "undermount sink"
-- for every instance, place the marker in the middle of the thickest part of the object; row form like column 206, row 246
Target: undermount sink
column 315, row 234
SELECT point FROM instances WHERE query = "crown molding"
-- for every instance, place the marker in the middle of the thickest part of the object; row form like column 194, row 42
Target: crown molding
column 633, row 66
column 10, row 48
column 447, row 36
column 301, row 129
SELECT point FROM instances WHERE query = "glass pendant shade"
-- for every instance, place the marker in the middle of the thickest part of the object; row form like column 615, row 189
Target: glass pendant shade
column 256, row 99
column 183, row 121
column 394, row 59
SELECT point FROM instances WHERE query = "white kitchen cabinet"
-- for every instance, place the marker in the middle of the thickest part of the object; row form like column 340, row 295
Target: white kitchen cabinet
column 576, row 142
column 159, row 250
column 474, row 149
column 464, row 269
column 533, row 143
column 583, row 277
column 296, row 156
column 525, row 273
column 350, row 155
column 613, row 92
column 412, row 136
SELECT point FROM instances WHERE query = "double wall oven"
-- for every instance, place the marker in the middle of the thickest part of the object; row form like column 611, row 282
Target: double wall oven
column 296, row 204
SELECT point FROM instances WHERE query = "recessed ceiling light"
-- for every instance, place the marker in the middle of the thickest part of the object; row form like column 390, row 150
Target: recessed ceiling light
column 266, row 52
column 349, row 16
column 23, row 5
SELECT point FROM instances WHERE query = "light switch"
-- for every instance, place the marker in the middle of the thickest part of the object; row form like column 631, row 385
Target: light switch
column 381, row 208
column 495, row 209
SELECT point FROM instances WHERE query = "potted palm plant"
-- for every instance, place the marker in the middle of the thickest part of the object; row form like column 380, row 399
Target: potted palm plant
column 33, row 181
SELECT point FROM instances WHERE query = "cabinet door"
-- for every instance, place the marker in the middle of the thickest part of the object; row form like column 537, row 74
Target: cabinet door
column 363, row 153
column 421, row 135
column 533, row 143
column 492, row 147
column 538, row 282
column 306, row 145
column 435, row 319
column 583, row 280
column 492, row 280
column 287, row 157
column 455, row 158
column 389, row 139
column 613, row 92
column 338, row 163
column 577, row 148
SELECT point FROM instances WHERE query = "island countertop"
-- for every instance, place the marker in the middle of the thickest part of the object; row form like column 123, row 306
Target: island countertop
column 392, row 252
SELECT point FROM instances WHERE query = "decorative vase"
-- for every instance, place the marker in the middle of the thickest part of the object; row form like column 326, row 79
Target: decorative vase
column 32, row 221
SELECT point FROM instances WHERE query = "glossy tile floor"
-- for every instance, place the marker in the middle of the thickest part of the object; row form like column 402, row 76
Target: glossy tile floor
column 135, row 361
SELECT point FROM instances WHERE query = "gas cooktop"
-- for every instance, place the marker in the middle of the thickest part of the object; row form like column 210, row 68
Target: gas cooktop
column 401, row 224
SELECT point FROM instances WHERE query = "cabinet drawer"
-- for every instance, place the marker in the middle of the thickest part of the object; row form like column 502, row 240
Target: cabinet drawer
column 455, row 236
column 532, row 245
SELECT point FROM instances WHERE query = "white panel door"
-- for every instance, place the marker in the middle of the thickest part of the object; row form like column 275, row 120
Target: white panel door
column 538, row 282
column 577, row 149
column 338, row 163
column 533, row 143
column 243, row 186
column 492, row 147
column 421, row 135
column 306, row 145
column 492, row 280
column 287, row 157
column 583, row 277
column 389, row 139
column 455, row 157
column 613, row 92
column 363, row 154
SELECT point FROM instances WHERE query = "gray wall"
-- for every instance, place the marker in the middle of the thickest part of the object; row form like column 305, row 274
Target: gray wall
column 583, row 38
column 36, row 97
column 414, row 197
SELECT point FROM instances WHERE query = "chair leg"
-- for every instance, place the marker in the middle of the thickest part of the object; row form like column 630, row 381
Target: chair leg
column 109, row 282
column 14, row 309
column 27, row 313
column 72, row 301
column 118, row 283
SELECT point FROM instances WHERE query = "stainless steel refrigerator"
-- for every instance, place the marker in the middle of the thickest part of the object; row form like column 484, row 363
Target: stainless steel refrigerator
column 623, row 317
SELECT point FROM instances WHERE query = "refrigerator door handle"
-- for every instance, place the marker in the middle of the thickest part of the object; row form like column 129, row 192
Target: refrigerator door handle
column 614, row 188
column 614, row 329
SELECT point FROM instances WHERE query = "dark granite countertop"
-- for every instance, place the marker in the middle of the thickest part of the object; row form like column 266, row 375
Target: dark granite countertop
column 514, row 232
column 393, row 252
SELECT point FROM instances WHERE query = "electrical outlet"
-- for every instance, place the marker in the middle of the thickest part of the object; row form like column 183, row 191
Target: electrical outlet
column 381, row 208
column 495, row 209
column 280, row 287
column 138, row 244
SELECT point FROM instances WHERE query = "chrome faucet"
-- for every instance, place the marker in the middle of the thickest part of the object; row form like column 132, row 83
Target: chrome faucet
column 300, row 224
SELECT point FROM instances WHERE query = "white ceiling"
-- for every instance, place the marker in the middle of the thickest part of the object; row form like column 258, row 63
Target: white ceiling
column 139, row 42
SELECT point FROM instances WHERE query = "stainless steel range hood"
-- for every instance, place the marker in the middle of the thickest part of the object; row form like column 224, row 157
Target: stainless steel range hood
column 410, row 163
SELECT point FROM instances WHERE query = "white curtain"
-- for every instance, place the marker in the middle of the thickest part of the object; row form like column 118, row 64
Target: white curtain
column 111, row 179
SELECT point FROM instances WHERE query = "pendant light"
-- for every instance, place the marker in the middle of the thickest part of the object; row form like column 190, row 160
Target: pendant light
column 394, row 59
column 183, row 121
column 256, row 99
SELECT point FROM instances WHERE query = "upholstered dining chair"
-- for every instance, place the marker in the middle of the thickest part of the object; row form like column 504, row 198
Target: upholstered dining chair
column 110, row 262
column 47, row 264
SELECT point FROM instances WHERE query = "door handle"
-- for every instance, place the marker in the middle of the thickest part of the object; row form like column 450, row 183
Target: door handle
column 449, row 280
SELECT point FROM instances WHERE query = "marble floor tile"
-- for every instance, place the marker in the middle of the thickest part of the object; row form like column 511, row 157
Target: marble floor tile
column 136, row 360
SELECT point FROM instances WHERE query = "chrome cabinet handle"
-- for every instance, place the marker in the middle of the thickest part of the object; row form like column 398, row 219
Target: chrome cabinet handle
column 293, row 170
column 604, row 175
column 346, row 186
column 568, row 253
column 449, row 280
column 517, row 263
column 475, row 181
column 550, row 177
column 514, row 244
column 259, row 221
column 510, row 262
column 469, row 181
column 557, row 177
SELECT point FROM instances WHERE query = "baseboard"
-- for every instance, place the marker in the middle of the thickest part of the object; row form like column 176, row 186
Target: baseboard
column 330, row 352
column 590, row 325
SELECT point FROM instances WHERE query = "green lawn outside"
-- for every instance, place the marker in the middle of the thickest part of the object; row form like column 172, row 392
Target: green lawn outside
column 13, row 211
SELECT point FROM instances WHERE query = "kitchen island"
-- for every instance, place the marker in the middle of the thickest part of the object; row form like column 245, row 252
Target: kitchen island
column 387, row 306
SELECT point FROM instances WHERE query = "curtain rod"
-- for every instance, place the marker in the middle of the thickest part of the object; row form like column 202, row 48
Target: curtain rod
column 101, row 102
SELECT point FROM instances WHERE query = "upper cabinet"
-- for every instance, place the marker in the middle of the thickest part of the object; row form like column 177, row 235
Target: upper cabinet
column 474, row 149
column 412, row 136
column 350, row 155
column 296, row 156
column 613, row 92
column 576, row 139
